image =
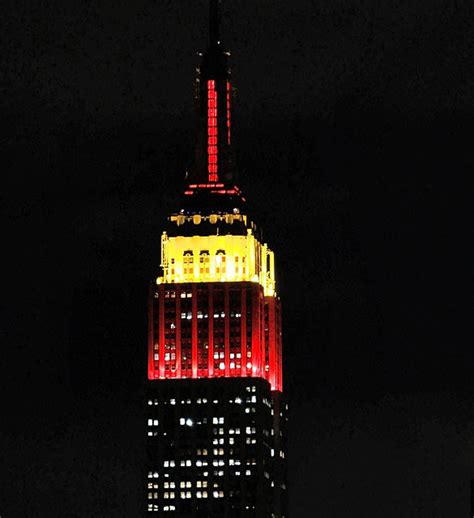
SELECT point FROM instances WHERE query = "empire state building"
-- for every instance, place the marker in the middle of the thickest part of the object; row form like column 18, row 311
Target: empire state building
column 216, row 416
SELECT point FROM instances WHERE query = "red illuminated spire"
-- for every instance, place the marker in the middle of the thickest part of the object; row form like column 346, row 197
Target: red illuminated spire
column 214, row 156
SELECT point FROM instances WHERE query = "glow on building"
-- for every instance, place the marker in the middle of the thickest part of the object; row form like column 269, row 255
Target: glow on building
column 216, row 416
column 214, row 311
column 212, row 131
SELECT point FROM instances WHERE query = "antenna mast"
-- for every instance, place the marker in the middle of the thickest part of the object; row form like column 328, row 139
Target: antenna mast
column 214, row 22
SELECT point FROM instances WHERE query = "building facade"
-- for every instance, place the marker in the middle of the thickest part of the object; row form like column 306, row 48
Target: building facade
column 215, row 410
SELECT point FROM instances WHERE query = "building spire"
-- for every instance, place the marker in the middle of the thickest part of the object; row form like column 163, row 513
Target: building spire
column 213, row 22
column 213, row 170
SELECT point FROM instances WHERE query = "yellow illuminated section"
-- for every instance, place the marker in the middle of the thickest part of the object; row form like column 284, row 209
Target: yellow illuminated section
column 217, row 258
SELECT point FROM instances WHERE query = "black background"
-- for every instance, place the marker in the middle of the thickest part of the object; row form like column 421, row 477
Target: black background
column 354, row 125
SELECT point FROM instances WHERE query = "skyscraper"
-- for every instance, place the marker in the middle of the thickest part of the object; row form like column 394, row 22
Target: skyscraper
column 215, row 411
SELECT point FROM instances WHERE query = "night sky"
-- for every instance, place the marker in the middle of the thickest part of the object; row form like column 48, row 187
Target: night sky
column 354, row 127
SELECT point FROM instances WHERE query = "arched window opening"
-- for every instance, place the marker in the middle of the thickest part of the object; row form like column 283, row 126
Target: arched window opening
column 220, row 262
column 188, row 264
column 204, row 261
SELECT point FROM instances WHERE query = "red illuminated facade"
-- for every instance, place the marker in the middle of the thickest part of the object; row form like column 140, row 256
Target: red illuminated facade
column 216, row 415
column 215, row 329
